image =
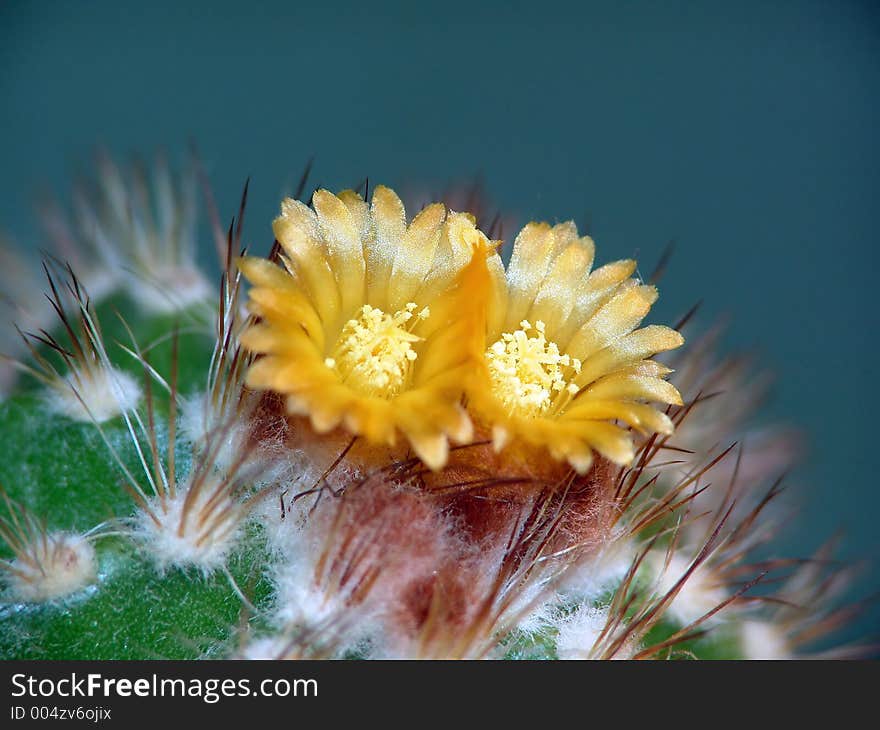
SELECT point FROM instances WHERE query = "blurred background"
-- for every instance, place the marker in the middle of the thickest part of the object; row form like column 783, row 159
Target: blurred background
column 745, row 132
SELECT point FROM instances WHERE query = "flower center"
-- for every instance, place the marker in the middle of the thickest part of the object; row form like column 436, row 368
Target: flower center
column 529, row 375
column 374, row 354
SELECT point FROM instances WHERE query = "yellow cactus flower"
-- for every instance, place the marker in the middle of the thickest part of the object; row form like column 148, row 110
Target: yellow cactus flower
column 372, row 324
column 563, row 361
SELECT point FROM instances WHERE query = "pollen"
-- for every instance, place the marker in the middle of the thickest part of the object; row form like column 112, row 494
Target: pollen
column 528, row 373
column 374, row 354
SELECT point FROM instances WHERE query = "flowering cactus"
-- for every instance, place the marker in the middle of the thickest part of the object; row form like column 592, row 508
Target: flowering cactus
column 391, row 444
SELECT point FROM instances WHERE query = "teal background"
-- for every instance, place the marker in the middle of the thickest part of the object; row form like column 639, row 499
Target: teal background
column 745, row 131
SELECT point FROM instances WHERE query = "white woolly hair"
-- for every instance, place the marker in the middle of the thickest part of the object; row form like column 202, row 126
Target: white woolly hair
column 763, row 640
column 699, row 594
column 265, row 648
column 299, row 599
column 171, row 289
column 144, row 229
column 596, row 574
column 55, row 565
column 100, row 393
column 579, row 632
column 198, row 424
column 271, row 458
column 302, row 602
column 196, row 530
column 534, row 607
column 322, row 557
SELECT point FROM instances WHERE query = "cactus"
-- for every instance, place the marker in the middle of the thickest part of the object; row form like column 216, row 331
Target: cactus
column 392, row 445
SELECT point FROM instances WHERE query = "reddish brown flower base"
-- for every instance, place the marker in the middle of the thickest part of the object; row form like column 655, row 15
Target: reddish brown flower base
column 446, row 557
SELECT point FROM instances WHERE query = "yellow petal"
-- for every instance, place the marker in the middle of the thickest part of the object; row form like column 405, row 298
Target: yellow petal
column 360, row 214
column 497, row 299
column 559, row 291
column 648, row 369
column 389, row 221
column 262, row 338
column 345, row 249
column 533, row 250
column 335, row 258
column 500, row 437
column 415, row 256
column 312, row 268
column 628, row 351
column 324, row 418
column 299, row 215
column 639, row 415
column 289, row 307
column 581, row 461
column 431, row 448
column 618, row 317
column 599, row 288
column 372, row 418
column 459, row 238
column 262, row 272
column 283, row 375
column 611, row 441
column 565, row 233
column 628, row 387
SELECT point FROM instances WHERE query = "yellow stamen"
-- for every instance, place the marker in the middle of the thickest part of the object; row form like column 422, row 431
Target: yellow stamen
column 375, row 352
column 528, row 373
